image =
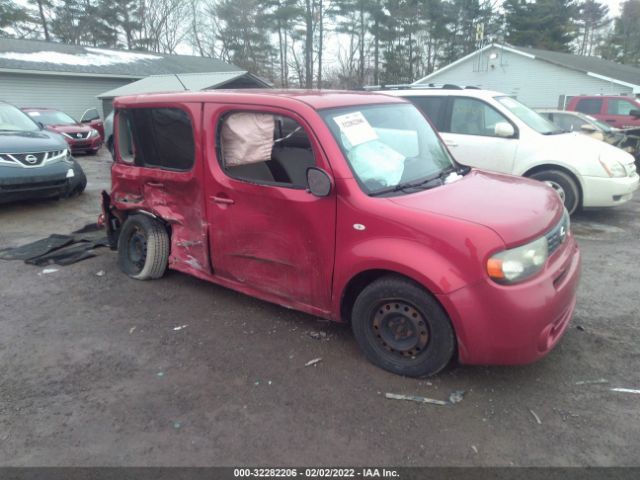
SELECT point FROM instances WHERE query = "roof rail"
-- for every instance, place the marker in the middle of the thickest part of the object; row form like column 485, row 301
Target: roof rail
column 420, row 86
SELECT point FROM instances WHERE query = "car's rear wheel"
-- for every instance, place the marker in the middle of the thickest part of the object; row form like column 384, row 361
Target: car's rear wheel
column 143, row 248
column 401, row 328
column 563, row 184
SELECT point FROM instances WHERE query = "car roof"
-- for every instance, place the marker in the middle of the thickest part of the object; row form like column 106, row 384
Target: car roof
column 440, row 92
column 316, row 99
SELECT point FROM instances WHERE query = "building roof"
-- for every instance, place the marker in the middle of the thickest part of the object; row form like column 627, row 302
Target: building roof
column 593, row 66
column 35, row 56
column 183, row 81
column 583, row 63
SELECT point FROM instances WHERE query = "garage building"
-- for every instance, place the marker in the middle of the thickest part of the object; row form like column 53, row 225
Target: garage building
column 539, row 78
column 69, row 77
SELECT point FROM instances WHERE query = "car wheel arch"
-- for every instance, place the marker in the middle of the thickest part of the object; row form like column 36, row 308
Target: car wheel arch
column 358, row 282
column 554, row 166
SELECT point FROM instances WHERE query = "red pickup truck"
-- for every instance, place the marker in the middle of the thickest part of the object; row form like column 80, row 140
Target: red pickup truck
column 346, row 206
column 617, row 111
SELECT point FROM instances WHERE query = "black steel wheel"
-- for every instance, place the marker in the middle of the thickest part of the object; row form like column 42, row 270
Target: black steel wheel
column 402, row 328
column 143, row 248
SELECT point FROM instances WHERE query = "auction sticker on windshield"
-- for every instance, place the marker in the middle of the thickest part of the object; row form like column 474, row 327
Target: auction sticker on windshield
column 356, row 128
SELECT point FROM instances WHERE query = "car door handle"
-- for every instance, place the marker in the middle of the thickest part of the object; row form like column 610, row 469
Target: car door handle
column 610, row 121
column 451, row 144
column 155, row 184
column 222, row 200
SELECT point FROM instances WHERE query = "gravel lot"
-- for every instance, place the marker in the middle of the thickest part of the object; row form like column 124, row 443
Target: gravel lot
column 95, row 373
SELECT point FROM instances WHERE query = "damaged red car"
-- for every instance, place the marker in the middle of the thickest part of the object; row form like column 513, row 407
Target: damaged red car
column 346, row 206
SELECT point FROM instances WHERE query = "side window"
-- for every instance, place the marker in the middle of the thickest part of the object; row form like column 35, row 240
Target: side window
column 432, row 107
column 619, row 107
column 125, row 138
column 474, row 117
column 159, row 138
column 264, row 148
column 569, row 123
column 589, row 106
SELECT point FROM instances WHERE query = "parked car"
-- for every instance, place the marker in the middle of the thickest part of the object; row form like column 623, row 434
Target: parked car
column 81, row 137
column 345, row 206
column 496, row 132
column 618, row 111
column 34, row 163
column 628, row 140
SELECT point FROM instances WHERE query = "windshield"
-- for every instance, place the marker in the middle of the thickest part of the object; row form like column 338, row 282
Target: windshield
column 528, row 116
column 388, row 146
column 52, row 117
column 601, row 125
column 14, row 120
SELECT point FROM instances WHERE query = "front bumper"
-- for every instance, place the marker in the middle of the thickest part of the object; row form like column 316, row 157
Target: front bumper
column 608, row 192
column 516, row 324
column 50, row 180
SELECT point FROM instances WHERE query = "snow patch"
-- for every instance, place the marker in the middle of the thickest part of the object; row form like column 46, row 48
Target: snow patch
column 94, row 57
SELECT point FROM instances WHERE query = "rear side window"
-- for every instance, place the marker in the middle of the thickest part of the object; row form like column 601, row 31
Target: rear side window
column 589, row 106
column 617, row 106
column 432, row 107
column 156, row 138
column 264, row 148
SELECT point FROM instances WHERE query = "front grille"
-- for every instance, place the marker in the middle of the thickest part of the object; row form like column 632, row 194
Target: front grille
column 558, row 234
column 30, row 159
column 79, row 135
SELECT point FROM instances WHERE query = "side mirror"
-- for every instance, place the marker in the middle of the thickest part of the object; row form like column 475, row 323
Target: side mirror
column 504, row 130
column 587, row 127
column 318, row 181
column 635, row 113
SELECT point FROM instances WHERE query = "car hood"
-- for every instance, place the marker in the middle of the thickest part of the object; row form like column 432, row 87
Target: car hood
column 36, row 141
column 516, row 208
column 577, row 145
column 70, row 128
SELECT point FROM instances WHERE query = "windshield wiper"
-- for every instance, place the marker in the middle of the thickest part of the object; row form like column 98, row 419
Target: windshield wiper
column 555, row 132
column 425, row 184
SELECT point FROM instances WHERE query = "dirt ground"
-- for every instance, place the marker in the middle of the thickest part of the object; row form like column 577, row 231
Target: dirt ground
column 94, row 371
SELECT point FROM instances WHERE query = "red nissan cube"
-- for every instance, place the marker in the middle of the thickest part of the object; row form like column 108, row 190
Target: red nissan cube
column 346, row 206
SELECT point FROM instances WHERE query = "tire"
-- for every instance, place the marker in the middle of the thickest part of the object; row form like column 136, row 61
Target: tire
column 392, row 306
column 143, row 248
column 564, row 185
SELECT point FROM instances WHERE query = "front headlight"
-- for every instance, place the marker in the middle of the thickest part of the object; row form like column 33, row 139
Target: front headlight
column 94, row 133
column 613, row 168
column 518, row 264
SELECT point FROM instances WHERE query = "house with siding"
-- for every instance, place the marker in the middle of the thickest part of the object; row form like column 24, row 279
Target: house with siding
column 70, row 77
column 539, row 78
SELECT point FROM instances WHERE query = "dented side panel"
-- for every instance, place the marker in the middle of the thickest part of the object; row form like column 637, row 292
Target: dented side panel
column 278, row 240
column 176, row 197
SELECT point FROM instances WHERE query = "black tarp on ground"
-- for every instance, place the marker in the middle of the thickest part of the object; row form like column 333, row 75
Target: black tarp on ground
column 59, row 249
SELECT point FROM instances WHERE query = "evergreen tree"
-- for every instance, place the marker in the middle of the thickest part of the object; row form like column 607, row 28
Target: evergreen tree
column 545, row 24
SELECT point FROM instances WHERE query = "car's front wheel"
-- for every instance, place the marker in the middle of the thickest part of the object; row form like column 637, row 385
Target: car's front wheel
column 143, row 248
column 563, row 184
column 401, row 328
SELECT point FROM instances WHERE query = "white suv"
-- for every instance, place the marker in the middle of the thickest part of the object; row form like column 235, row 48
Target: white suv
column 493, row 131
